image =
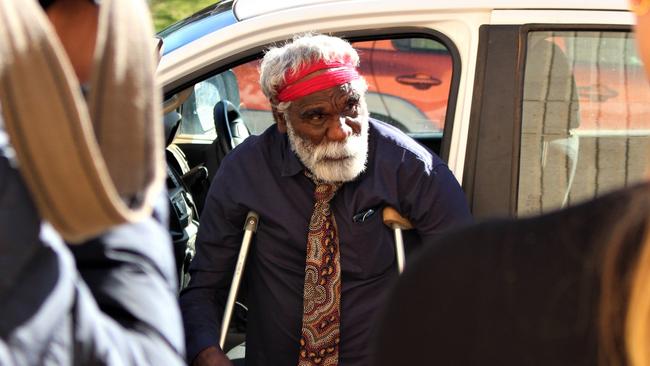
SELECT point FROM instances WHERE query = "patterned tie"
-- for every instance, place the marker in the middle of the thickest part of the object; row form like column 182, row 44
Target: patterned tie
column 319, row 343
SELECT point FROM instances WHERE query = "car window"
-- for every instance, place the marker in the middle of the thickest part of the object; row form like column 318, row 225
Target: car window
column 409, row 81
column 197, row 110
column 585, row 118
column 409, row 84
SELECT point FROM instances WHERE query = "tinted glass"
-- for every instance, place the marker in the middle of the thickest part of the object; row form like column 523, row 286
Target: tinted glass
column 198, row 109
column 586, row 118
column 409, row 83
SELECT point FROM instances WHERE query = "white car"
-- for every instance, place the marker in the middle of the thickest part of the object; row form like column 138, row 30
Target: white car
column 534, row 105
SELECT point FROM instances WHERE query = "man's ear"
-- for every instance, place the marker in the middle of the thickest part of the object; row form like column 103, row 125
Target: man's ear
column 280, row 120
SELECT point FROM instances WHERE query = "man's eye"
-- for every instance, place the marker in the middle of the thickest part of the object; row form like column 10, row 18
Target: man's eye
column 315, row 116
column 352, row 105
column 351, row 109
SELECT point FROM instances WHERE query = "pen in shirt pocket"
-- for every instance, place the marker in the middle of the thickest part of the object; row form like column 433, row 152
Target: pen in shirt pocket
column 364, row 215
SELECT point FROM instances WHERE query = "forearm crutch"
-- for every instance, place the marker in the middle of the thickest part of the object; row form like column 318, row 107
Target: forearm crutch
column 249, row 229
column 397, row 222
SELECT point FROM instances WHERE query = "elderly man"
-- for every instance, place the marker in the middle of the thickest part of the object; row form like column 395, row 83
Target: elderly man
column 318, row 178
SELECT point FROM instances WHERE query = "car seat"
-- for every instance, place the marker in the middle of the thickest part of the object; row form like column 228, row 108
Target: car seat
column 183, row 215
column 228, row 122
column 549, row 148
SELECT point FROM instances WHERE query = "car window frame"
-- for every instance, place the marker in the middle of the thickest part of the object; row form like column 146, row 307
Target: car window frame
column 253, row 53
column 491, row 172
column 420, row 32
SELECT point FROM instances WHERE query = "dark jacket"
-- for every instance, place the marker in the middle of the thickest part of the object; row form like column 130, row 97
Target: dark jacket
column 517, row 292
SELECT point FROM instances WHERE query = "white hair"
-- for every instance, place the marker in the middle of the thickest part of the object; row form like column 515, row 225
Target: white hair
column 301, row 50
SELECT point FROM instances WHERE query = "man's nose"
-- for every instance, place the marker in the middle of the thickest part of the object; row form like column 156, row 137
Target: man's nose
column 340, row 129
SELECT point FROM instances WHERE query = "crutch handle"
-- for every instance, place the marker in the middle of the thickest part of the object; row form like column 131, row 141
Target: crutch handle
column 397, row 222
column 252, row 219
column 394, row 220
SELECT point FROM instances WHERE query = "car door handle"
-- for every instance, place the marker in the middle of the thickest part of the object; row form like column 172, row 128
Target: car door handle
column 418, row 81
column 597, row 92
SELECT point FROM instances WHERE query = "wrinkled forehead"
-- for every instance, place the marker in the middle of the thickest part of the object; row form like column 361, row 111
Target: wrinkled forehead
column 335, row 96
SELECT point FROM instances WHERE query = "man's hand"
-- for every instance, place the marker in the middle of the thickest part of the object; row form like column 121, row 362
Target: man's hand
column 211, row 356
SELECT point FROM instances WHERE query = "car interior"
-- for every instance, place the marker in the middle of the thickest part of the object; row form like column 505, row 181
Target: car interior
column 190, row 171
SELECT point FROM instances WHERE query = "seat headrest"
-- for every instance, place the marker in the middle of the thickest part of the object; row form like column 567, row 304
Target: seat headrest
column 172, row 122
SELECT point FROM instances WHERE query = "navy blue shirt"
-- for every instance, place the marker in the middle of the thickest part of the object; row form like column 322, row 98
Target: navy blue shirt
column 264, row 175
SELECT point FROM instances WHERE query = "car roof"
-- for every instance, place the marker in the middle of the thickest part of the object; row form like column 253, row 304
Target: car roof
column 227, row 12
column 246, row 9
column 203, row 22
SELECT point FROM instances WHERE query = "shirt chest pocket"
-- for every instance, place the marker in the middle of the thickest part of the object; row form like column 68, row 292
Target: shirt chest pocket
column 367, row 247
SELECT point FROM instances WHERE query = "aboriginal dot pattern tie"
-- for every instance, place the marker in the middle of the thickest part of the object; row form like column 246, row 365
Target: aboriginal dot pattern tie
column 319, row 341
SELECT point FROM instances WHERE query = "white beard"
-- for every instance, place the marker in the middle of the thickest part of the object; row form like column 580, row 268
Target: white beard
column 351, row 155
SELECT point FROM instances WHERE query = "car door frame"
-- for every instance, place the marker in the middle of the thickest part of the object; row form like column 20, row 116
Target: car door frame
column 220, row 65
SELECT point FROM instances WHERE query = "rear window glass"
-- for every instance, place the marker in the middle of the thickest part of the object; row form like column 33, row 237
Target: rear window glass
column 586, row 119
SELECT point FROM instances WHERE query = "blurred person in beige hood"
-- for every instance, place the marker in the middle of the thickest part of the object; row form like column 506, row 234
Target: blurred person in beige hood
column 87, row 275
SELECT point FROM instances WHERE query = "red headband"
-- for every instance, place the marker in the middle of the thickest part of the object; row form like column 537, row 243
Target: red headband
column 337, row 73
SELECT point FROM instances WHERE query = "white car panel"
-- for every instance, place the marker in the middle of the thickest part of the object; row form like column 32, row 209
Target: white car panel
column 459, row 21
column 246, row 9
column 561, row 17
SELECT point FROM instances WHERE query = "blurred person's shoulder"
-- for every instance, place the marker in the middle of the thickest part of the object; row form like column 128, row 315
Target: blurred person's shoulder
column 528, row 285
column 588, row 221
